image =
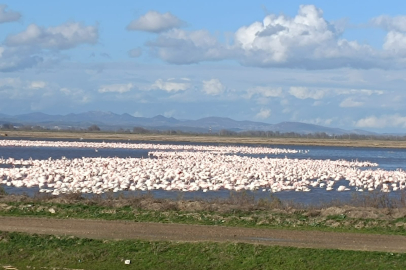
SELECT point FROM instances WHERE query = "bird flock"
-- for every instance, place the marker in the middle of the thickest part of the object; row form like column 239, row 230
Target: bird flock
column 149, row 146
column 191, row 168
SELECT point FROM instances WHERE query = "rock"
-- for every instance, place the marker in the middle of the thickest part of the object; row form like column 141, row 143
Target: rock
column 52, row 211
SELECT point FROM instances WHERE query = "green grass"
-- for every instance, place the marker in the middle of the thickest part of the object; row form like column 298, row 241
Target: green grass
column 23, row 251
column 236, row 218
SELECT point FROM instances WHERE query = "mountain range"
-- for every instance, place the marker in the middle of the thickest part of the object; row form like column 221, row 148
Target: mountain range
column 112, row 121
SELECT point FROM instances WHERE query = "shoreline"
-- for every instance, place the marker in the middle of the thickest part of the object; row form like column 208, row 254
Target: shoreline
column 205, row 139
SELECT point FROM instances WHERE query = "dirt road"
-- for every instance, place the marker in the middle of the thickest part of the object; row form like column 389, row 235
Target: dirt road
column 101, row 229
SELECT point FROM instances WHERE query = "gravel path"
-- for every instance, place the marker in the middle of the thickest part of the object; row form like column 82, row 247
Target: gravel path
column 102, row 229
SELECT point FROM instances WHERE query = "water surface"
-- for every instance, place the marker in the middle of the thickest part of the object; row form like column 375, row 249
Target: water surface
column 387, row 158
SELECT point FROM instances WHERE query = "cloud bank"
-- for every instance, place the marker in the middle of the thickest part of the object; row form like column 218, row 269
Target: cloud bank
column 62, row 37
column 263, row 114
column 383, row 121
column 306, row 41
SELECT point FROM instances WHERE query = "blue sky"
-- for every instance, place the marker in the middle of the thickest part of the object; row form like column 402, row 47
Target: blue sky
column 339, row 64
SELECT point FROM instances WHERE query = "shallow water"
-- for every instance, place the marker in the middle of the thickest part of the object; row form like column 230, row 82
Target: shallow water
column 388, row 159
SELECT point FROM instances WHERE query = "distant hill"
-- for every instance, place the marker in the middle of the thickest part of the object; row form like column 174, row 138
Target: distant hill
column 110, row 121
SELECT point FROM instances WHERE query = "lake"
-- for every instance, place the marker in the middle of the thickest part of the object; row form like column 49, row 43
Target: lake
column 388, row 159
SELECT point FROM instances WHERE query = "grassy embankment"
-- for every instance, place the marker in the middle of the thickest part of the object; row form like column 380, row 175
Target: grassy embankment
column 370, row 213
column 208, row 139
column 48, row 252
column 29, row 251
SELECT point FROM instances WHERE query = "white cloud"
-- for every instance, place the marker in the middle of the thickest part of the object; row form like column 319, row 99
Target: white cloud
column 384, row 121
column 38, row 46
column 10, row 82
column 20, row 89
column 286, row 110
column 116, row 88
column 65, row 90
column 135, row 52
column 304, row 92
column 395, row 42
column 12, row 59
column 213, row 87
column 397, row 23
column 61, row 37
column 137, row 114
column 304, row 41
column 349, row 102
column 178, row 46
column 155, row 22
column 76, row 95
column 265, row 91
column 8, row 15
column 319, row 121
column 262, row 100
column 169, row 85
column 317, row 103
column 37, row 85
column 263, row 114
column 361, row 92
column 284, row 102
column 169, row 113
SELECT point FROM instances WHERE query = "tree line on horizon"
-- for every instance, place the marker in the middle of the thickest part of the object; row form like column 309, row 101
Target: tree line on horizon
column 222, row 132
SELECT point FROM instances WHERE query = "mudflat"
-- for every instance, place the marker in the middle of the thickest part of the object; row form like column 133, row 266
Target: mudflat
column 102, row 229
column 207, row 139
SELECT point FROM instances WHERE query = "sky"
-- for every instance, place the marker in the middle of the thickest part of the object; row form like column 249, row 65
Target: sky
column 332, row 63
